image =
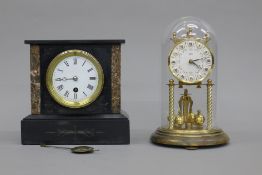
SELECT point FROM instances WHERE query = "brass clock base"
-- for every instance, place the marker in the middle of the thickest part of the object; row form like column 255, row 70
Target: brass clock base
column 190, row 139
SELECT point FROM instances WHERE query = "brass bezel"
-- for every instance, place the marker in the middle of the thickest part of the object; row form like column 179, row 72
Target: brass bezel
column 190, row 82
column 51, row 88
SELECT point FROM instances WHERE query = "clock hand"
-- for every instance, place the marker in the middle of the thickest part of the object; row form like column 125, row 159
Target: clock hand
column 58, row 79
column 192, row 62
column 68, row 78
column 75, row 78
column 197, row 65
column 196, row 59
column 63, row 79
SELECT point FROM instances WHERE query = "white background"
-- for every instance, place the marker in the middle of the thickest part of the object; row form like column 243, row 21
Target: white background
column 142, row 23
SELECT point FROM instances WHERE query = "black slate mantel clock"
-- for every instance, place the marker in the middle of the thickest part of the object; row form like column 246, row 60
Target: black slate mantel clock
column 75, row 93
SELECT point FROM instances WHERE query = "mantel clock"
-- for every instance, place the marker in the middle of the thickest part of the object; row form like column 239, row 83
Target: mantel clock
column 188, row 102
column 75, row 93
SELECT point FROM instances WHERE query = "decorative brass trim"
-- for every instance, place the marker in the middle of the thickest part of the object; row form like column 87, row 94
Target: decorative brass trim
column 115, row 78
column 35, row 79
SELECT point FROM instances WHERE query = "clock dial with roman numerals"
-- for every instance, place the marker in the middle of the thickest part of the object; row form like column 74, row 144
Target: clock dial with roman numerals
column 191, row 61
column 74, row 78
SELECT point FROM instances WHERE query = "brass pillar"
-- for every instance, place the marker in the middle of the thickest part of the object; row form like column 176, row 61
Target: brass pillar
column 171, row 116
column 209, row 104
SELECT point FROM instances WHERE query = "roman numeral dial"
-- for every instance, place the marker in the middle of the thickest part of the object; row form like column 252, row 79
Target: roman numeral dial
column 190, row 61
column 74, row 78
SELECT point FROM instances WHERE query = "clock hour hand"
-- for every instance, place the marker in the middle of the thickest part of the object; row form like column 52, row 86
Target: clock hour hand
column 59, row 79
column 75, row 78
column 197, row 65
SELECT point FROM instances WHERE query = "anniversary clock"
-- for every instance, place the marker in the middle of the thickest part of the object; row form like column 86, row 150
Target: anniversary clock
column 75, row 93
column 189, row 65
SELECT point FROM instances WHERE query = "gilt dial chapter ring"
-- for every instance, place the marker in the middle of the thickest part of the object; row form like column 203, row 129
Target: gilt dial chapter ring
column 190, row 61
column 74, row 78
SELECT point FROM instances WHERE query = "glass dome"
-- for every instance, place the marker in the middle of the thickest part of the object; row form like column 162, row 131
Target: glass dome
column 189, row 76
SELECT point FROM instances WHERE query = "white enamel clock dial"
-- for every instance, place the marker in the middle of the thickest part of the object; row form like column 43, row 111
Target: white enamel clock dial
column 191, row 61
column 74, row 78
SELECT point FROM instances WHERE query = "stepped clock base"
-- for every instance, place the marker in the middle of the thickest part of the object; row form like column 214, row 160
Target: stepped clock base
column 190, row 139
column 102, row 129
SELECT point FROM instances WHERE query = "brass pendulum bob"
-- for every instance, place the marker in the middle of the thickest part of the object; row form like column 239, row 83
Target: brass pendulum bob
column 76, row 150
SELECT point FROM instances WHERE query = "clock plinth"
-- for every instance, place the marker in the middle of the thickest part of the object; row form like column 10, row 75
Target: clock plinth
column 190, row 138
column 75, row 93
column 100, row 129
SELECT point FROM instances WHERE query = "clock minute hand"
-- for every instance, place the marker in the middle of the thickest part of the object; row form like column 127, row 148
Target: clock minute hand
column 192, row 62
column 63, row 79
column 196, row 59
column 59, row 79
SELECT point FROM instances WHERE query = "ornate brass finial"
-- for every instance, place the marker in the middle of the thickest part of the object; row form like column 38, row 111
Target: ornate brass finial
column 175, row 39
column 189, row 32
column 174, row 35
column 206, row 37
column 209, row 82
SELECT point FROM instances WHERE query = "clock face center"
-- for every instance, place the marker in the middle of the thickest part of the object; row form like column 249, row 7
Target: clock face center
column 75, row 78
